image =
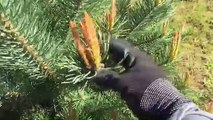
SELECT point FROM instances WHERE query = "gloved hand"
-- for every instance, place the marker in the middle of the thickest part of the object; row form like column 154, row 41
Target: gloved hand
column 142, row 85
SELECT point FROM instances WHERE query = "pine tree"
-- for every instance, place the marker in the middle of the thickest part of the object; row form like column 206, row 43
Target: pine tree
column 42, row 75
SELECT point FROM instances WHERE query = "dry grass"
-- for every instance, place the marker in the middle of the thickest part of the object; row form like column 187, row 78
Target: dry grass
column 195, row 60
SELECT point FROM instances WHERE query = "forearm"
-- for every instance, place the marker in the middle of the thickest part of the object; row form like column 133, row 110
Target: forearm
column 190, row 111
column 163, row 101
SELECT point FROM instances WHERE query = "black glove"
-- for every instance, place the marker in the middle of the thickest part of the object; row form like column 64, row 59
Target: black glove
column 143, row 85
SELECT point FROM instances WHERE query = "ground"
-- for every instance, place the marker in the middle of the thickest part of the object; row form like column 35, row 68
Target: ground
column 195, row 59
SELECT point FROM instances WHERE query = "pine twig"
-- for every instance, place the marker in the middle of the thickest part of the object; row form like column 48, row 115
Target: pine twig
column 114, row 115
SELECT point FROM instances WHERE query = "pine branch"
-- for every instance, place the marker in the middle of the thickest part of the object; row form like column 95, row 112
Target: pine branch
column 140, row 16
column 61, row 12
column 150, row 16
column 83, row 103
column 49, row 48
column 26, row 47
column 122, row 8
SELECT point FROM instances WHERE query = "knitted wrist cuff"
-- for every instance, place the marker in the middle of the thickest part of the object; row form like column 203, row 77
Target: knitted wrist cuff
column 161, row 98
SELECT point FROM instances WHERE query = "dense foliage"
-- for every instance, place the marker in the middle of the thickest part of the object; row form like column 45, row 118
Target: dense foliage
column 42, row 75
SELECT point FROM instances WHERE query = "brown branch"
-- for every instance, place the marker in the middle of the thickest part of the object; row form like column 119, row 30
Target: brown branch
column 71, row 112
column 114, row 115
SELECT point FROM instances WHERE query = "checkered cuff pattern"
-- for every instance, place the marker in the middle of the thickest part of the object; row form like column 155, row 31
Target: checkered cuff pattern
column 162, row 97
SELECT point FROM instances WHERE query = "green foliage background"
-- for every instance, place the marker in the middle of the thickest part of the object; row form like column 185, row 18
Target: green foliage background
column 41, row 74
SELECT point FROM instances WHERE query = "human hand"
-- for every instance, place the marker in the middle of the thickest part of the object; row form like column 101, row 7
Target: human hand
column 141, row 71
